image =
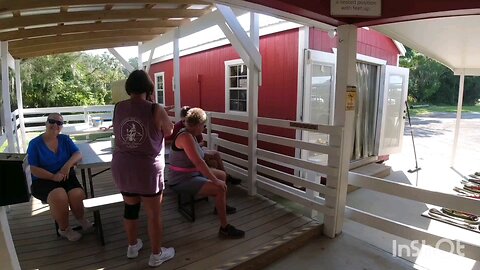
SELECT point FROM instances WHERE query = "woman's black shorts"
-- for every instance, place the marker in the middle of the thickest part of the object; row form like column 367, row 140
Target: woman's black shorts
column 42, row 187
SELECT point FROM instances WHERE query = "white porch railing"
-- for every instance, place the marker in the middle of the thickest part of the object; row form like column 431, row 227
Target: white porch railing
column 292, row 186
column 406, row 231
column 35, row 118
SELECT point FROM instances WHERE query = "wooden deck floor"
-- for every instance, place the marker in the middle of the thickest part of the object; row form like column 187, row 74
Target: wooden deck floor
column 197, row 245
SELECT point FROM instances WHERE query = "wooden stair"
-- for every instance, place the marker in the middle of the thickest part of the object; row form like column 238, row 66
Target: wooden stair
column 372, row 169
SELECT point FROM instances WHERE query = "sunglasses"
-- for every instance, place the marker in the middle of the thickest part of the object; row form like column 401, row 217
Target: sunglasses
column 53, row 121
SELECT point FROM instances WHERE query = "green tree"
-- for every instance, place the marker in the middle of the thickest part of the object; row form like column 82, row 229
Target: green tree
column 71, row 79
column 432, row 83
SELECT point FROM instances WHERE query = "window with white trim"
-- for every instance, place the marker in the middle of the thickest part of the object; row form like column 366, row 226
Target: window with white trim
column 236, row 86
column 160, row 87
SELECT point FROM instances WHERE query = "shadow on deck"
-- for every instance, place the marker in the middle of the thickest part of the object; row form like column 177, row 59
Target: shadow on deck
column 271, row 230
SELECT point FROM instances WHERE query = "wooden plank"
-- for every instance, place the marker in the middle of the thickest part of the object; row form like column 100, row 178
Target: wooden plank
column 415, row 193
column 79, row 16
column 27, row 4
column 38, row 247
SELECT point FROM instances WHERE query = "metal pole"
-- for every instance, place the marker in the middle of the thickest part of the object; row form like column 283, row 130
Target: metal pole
column 459, row 118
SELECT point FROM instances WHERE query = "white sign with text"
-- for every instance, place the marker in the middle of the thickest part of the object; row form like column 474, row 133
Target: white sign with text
column 356, row 8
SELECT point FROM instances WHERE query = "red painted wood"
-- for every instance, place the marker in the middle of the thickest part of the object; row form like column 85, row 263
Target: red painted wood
column 370, row 42
column 202, row 79
column 392, row 10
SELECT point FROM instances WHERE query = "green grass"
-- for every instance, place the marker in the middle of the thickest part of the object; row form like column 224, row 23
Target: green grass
column 433, row 108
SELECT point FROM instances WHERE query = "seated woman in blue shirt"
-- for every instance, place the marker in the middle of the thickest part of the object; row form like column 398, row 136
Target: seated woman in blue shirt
column 52, row 156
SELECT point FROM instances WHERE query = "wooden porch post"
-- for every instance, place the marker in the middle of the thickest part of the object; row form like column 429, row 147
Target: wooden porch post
column 459, row 119
column 346, row 80
column 139, row 57
column 253, row 83
column 8, row 256
column 247, row 48
column 7, row 109
column 18, row 84
column 176, row 74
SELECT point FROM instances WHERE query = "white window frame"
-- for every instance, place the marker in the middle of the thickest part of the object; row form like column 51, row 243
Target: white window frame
column 156, row 75
column 227, row 86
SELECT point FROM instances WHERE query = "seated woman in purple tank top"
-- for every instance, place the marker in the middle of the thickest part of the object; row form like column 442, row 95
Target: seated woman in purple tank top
column 189, row 173
column 138, row 162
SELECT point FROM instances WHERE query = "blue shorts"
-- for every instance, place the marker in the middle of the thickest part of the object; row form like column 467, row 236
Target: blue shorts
column 191, row 185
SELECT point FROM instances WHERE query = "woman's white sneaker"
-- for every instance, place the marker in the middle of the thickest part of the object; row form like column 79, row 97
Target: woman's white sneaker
column 132, row 251
column 165, row 255
column 70, row 234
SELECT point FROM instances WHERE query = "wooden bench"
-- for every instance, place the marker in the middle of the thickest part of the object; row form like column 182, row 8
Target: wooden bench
column 98, row 203
column 186, row 206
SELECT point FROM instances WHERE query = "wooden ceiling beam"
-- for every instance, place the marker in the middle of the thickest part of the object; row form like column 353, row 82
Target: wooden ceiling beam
column 9, row 6
column 87, row 27
column 38, row 53
column 78, row 43
column 32, row 20
column 82, row 36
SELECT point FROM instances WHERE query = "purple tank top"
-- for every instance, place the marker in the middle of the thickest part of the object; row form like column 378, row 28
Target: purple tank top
column 138, row 158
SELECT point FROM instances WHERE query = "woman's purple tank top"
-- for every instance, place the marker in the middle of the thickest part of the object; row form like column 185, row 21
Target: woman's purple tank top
column 138, row 158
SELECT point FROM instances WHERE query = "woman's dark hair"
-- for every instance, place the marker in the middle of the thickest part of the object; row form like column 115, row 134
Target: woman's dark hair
column 139, row 82
column 183, row 111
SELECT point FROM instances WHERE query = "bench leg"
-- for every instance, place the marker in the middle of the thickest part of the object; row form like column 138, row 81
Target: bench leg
column 98, row 225
column 186, row 209
column 56, row 228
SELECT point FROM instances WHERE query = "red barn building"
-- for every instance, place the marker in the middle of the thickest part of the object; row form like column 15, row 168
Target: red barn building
column 297, row 80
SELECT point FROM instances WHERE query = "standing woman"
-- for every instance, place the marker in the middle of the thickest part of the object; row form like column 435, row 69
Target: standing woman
column 52, row 156
column 138, row 162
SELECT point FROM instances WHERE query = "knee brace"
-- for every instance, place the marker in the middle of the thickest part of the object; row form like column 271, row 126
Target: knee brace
column 131, row 211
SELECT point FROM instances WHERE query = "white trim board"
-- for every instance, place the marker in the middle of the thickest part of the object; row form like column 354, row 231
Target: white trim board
column 266, row 30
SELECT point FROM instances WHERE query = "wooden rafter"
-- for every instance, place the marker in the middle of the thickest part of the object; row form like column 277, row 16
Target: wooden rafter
column 34, row 42
column 51, row 26
column 84, row 44
column 23, row 55
column 7, row 5
column 87, row 27
column 31, row 20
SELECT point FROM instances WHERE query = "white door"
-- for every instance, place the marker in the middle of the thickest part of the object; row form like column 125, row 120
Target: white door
column 319, row 86
column 392, row 110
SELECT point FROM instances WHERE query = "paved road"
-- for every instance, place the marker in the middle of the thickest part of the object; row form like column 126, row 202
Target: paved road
column 433, row 135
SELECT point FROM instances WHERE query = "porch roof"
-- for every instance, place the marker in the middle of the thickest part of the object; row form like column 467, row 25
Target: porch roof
column 36, row 28
column 443, row 30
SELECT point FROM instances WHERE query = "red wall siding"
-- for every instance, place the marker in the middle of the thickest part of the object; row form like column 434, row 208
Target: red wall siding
column 202, row 82
column 370, row 42
column 202, row 79
column 278, row 93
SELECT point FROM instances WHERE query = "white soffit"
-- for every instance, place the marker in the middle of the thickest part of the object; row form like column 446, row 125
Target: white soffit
column 453, row 41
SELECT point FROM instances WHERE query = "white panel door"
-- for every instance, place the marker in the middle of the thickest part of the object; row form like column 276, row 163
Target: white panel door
column 319, row 86
column 392, row 110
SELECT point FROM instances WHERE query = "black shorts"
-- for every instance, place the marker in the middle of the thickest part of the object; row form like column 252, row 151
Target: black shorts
column 130, row 194
column 42, row 187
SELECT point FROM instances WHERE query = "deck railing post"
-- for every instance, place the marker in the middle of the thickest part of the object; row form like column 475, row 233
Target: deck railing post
column 209, row 130
column 18, row 86
column 7, row 109
column 345, row 99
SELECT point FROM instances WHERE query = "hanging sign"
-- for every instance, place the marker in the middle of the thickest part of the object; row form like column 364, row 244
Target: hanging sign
column 356, row 8
column 351, row 98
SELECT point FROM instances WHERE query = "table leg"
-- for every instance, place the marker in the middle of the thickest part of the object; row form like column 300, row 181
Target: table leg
column 84, row 182
column 90, row 179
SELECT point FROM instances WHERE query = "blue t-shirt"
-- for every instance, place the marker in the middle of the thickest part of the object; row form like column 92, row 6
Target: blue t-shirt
column 41, row 156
